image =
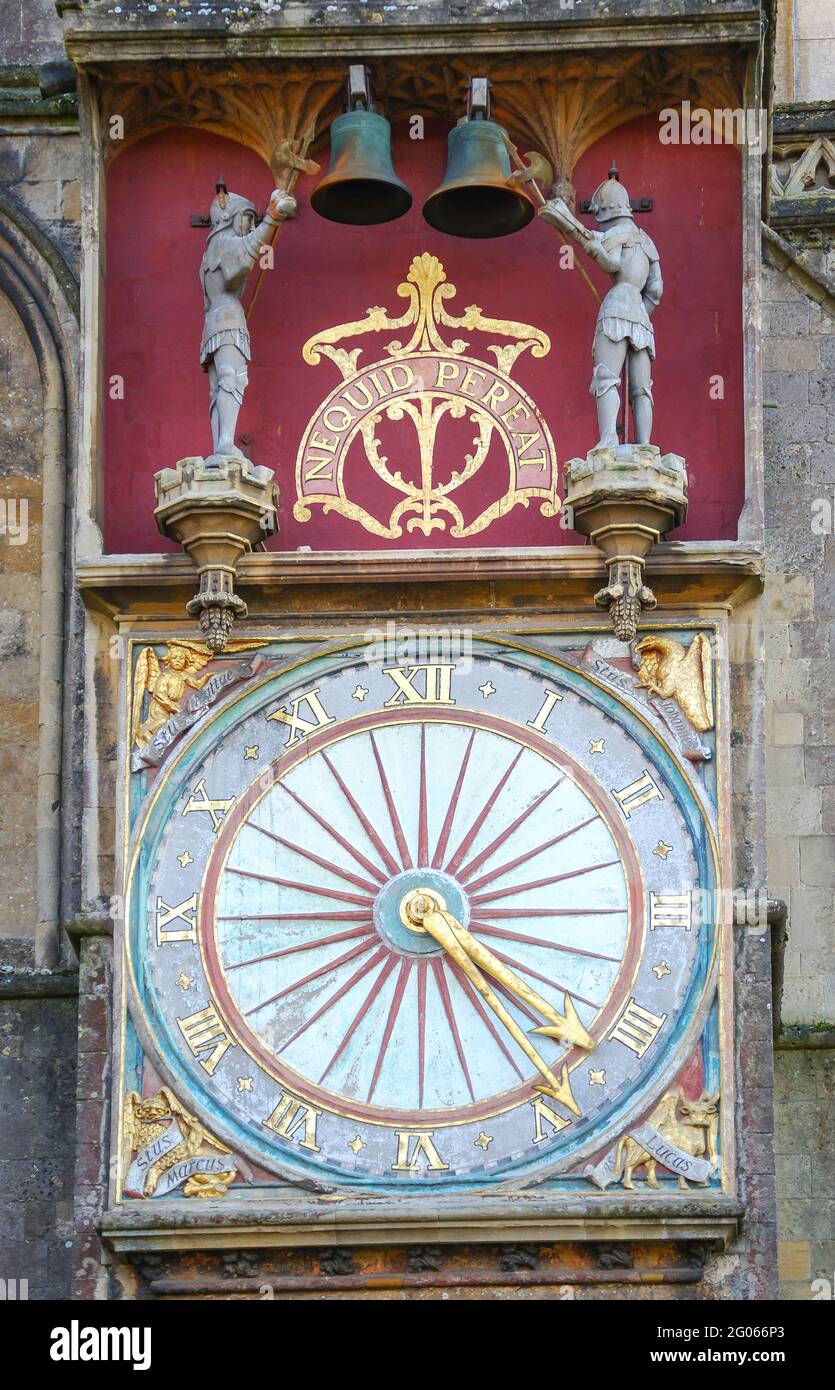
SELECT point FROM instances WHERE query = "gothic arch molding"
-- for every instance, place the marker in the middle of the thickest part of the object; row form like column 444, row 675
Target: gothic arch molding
column 43, row 293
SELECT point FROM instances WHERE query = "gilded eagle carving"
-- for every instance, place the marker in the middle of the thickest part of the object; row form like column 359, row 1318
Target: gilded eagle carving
column 684, row 674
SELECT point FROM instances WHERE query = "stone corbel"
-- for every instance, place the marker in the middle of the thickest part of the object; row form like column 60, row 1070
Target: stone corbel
column 625, row 499
column 217, row 513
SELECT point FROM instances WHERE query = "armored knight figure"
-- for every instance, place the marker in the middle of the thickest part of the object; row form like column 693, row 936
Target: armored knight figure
column 234, row 244
column 624, row 330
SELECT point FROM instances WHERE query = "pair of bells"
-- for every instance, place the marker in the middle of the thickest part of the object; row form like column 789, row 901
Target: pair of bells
column 477, row 198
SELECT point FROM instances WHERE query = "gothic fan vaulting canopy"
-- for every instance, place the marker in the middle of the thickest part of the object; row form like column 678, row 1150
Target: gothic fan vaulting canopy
column 559, row 106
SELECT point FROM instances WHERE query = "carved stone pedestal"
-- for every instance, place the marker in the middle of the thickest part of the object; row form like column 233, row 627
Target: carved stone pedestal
column 217, row 512
column 625, row 499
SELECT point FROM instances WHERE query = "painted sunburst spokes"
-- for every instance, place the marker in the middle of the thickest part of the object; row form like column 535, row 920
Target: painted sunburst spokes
column 318, row 961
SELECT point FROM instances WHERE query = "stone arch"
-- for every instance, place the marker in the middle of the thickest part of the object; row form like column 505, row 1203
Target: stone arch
column 43, row 294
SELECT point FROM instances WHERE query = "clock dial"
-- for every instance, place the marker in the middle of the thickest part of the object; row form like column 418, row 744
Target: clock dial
column 431, row 922
column 304, row 919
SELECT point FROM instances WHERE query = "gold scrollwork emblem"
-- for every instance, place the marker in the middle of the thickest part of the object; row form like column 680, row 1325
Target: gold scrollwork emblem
column 165, row 1148
column 426, row 380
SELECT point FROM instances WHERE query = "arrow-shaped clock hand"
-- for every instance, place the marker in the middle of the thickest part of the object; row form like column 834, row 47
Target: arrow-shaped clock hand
column 567, row 1027
column 425, row 914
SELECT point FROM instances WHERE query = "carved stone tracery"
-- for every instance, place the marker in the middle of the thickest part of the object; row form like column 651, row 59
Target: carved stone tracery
column 257, row 106
column 560, row 106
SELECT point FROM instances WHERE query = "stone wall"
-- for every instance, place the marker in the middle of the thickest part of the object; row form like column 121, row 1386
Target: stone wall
column 31, row 31
column 799, row 361
column 799, row 619
column 805, row 50
column 804, row 1103
column 39, row 243
column 41, row 172
column 37, row 1139
column 40, row 233
column 21, row 427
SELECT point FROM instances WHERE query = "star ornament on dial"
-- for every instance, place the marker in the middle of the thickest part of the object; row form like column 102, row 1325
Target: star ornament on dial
column 421, row 916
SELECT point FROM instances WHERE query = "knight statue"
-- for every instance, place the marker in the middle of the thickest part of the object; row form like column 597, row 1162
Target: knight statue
column 235, row 242
column 624, row 332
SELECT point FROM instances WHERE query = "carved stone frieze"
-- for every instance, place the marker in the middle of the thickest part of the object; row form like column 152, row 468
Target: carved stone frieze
column 803, row 166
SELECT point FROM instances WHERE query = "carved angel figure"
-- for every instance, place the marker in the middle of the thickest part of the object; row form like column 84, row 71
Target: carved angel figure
column 147, row 1120
column 166, row 683
column 671, row 671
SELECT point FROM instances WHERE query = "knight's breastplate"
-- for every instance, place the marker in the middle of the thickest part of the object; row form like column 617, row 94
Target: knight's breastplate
column 634, row 264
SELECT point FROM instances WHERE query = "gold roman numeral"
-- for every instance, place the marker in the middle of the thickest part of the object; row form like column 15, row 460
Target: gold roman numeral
column 541, row 1112
column 291, row 1115
column 181, row 912
column 201, row 801
column 301, row 728
column 409, row 1159
column 437, row 685
column 204, row 1032
column 552, row 697
column 637, row 1028
column 637, row 794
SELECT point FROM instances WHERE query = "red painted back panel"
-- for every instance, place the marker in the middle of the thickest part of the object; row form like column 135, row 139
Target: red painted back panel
column 326, row 274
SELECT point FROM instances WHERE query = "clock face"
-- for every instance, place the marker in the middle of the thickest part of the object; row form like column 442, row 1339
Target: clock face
column 430, row 922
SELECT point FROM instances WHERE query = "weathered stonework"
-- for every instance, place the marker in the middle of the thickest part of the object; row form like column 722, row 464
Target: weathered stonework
column 804, row 1094
column 800, row 587
column 39, row 239
column 799, row 357
column 54, row 1148
column 20, row 561
column 37, row 1135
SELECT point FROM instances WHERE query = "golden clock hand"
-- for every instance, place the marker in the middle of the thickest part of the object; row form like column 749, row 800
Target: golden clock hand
column 567, row 1027
column 441, row 926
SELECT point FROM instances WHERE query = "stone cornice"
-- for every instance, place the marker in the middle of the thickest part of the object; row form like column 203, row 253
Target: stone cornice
column 29, row 983
column 95, row 32
column 295, row 1220
column 23, row 108
column 804, row 118
column 144, row 588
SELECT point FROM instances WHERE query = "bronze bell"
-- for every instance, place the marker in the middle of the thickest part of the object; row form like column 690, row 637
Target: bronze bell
column 360, row 187
column 477, row 197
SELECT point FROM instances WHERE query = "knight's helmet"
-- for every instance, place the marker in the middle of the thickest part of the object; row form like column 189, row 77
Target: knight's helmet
column 231, row 212
column 610, row 199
